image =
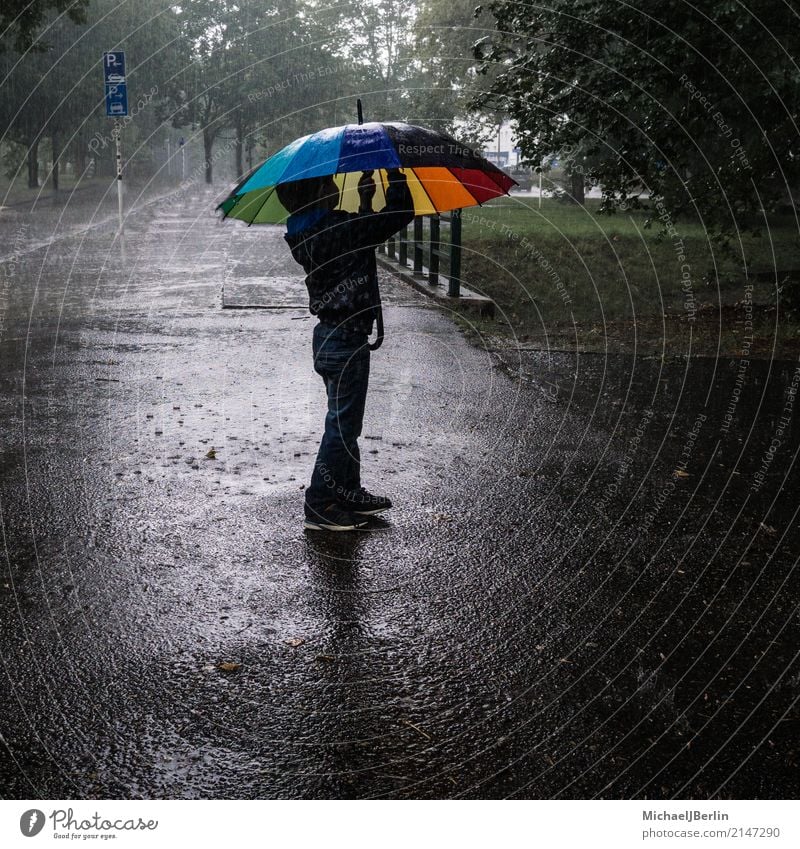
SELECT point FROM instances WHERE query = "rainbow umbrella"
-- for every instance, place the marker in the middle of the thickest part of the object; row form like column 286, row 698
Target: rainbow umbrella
column 442, row 173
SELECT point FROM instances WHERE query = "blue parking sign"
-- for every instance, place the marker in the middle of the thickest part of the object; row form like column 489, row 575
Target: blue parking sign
column 116, row 100
column 114, row 67
column 116, row 86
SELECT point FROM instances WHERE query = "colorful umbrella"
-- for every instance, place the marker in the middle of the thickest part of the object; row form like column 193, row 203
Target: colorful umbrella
column 442, row 173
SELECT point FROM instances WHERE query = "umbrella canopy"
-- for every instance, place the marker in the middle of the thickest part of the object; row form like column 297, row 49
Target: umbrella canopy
column 442, row 173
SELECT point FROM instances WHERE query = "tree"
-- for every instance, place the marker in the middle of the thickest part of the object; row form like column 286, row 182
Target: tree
column 380, row 34
column 56, row 92
column 695, row 104
column 445, row 80
column 199, row 93
column 259, row 72
column 277, row 63
column 34, row 109
column 20, row 20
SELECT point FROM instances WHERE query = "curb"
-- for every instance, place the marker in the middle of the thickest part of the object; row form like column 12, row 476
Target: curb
column 468, row 299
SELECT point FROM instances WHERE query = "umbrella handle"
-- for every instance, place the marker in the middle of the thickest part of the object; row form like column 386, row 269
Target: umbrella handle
column 373, row 346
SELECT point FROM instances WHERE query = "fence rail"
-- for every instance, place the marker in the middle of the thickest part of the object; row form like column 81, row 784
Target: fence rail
column 432, row 249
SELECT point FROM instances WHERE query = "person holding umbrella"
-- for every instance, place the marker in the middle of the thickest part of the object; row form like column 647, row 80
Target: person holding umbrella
column 337, row 251
column 333, row 232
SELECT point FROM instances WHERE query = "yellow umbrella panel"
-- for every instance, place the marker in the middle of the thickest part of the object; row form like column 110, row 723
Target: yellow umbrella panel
column 433, row 189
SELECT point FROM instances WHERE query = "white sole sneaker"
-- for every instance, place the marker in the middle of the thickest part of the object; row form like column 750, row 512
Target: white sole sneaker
column 319, row 526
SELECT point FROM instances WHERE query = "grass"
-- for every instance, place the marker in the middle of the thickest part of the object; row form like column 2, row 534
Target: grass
column 562, row 270
column 19, row 193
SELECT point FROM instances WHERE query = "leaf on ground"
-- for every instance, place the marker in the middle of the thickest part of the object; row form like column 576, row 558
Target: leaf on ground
column 416, row 728
column 211, row 454
column 294, row 641
column 768, row 529
column 229, row 666
column 679, row 473
column 326, row 658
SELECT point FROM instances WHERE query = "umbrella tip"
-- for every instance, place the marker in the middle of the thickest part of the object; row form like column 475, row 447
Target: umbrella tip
column 360, row 111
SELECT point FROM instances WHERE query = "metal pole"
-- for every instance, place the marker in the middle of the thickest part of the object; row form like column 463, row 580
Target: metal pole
column 403, row 258
column 540, row 188
column 454, row 285
column 418, row 245
column 117, row 134
column 433, row 265
column 169, row 158
column 183, row 162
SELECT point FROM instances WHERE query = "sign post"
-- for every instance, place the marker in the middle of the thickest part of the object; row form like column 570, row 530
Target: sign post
column 182, row 143
column 116, row 90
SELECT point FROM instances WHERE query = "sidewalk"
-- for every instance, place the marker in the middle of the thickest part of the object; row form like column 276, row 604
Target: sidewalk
column 515, row 627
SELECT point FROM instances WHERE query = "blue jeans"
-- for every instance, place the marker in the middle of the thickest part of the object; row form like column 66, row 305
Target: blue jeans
column 341, row 357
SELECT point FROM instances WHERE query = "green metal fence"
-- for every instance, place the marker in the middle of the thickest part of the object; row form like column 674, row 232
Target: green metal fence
column 428, row 250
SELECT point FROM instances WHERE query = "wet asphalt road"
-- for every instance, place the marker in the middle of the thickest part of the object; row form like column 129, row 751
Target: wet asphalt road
column 549, row 611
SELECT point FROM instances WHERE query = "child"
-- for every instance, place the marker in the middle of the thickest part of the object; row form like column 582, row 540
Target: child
column 337, row 252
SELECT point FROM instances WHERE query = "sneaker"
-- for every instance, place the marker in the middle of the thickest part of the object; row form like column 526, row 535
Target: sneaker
column 332, row 518
column 363, row 503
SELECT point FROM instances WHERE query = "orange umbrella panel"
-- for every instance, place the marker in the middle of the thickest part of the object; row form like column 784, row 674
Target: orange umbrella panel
column 434, row 190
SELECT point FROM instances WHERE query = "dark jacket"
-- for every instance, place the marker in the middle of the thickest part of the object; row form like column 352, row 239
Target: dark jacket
column 337, row 253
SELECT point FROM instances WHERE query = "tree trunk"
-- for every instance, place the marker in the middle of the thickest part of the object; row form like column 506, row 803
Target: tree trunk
column 238, row 149
column 577, row 189
column 33, row 164
column 79, row 157
column 56, row 156
column 208, row 145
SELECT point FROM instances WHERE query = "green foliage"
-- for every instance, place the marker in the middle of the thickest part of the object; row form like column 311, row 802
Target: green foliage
column 411, row 61
column 20, row 20
column 243, row 76
column 56, row 92
column 696, row 104
column 13, row 153
column 445, row 78
column 256, row 74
